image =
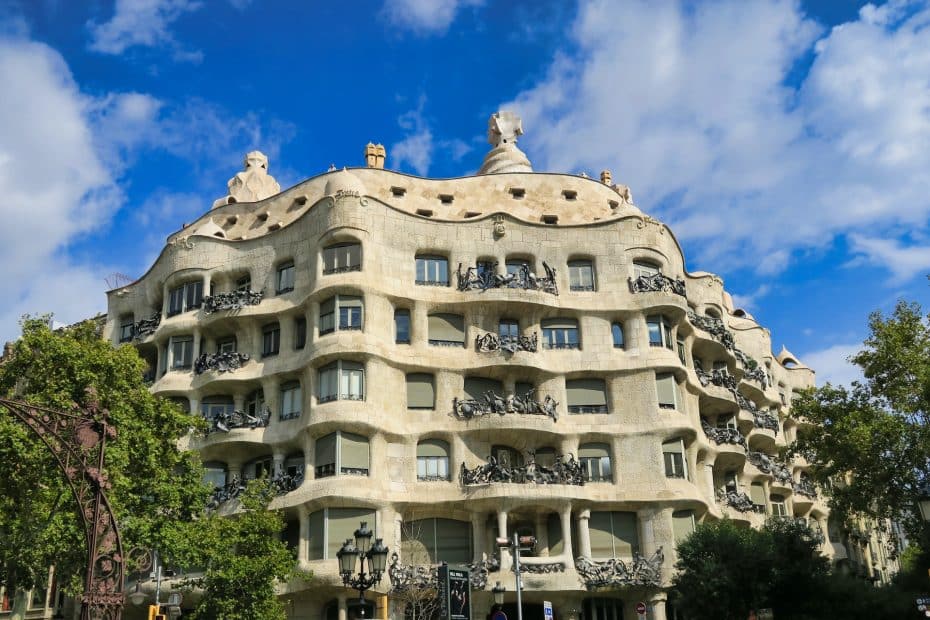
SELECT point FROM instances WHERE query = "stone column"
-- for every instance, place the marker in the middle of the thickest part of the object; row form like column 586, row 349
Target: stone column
column 195, row 346
column 343, row 609
column 277, row 459
column 478, row 536
column 632, row 334
column 584, row 533
column 709, row 479
column 271, row 389
column 206, row 283
column 419, row 324
column 657, row 606
column 565, row 515
column 166, row 296
column 309, row 457
column 303, row 550
column 506, row 559
column 542, row 534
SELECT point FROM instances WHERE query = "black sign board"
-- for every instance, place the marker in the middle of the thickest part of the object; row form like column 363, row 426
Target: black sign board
column 454, row 593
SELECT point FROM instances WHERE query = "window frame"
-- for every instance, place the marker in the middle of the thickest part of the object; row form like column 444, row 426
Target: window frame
column 591, row 463
column 662, row 326
column 616, row 327
column 290, row 393
column 432, row 382
column 426, row 460
column 300, row 333
column 345, row 315
column 337, row 468
column 571, row 384
column 430, row 267
column 339, row 368
column 330, row 255
column 676, row 394
column 285, row 277
column 576, row 276
column 187, row 353
column 127, row 323
column 271, row 339
column 398, row 313
column 185, row 297
column 556, row 338
column 673, row 465
column 645, row 267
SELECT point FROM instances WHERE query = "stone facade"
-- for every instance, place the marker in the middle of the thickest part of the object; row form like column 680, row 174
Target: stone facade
column 618, row 400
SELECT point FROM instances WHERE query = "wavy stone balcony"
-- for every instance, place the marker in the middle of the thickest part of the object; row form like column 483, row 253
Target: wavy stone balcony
column 723, row 436
column 475, row 279
column 220, row 362
column 146, row 327
column 657, row 283
column 225, row 422
column 615, row 573
column 565, row 470
column 407, row 577
column 721, row 378
column 492, row 343
column 767, row 465
column 470, row 408
column 738, row 501
column 233, row 300
column 718, row 331
column 280, row 484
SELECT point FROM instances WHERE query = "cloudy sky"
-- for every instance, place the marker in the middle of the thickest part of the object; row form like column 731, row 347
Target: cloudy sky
column 787, row 144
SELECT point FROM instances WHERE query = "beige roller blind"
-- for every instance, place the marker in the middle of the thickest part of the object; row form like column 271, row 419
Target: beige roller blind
column 342, row 523
column 554, row 530
column 682, row 524
column 666, row 388
column 585, row 392
column 602, row 538
column 315, row 544
column 432, row 447
column 421, row 391
column 353, row 254
column 673, row 447
column 328, row 306
column 350, row 301
column 449, row 327
column 453, row 541
column 354, row 450
column 561, row 323
column 475, row 387
column 325, row 450
column 593, row 450
column 757, row 494
column 626, row 534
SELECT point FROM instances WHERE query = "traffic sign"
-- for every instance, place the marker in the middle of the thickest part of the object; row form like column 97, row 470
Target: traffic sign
column 547, row 610
column 641, row 608
column 498, row 615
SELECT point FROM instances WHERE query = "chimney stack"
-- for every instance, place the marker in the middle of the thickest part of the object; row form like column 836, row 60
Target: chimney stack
column 605, row 177
column 374, row 155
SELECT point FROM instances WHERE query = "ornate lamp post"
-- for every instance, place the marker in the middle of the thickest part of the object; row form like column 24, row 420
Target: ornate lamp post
column 363, row 551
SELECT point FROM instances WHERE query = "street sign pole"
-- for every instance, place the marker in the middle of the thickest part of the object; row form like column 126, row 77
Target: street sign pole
column 516, row 571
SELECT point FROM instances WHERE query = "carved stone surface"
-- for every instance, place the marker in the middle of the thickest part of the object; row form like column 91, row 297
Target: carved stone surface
column 503, row 130
column 220, row 362
column 406, row 577
column 723, row 435
column 252, row 184
column 615, row 573
column 469, row 408
column 736, row 500
column 233, row 300
column 473, row 280
column 766, row 464
column 491, row 342
column 146, row 327
column 657, row 283
column 225, row 422
column 566, row 470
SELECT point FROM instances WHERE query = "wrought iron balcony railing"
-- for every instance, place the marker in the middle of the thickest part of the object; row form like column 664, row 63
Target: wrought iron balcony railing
column 616, row 573
column 233, row 300
column 805, row 487
column 329, row 469
column 587, row 409
column 474, row 279
column 657, row 283
column 343, row 269
column 565, row 470
column 280, row 484
column 225, row 422
column 468, row 408
column 407, row 577
column 726, row 435
column 575, row 346
column 736, row 500
column 220, row 362
column 718, row 331
column 146, row 327
column 431, row 282
column 767, row 465
column 492, row 342
column 446, row 343
column 721, row 378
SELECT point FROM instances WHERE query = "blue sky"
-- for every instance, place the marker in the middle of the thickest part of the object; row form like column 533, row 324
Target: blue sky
column 787, row 144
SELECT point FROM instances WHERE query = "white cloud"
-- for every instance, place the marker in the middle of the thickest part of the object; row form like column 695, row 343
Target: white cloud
column 144, row 23
column 426, row 16
column 832, row 365
column 749, row 300
column 903, row 262
column 416, row 149
column 691, row 105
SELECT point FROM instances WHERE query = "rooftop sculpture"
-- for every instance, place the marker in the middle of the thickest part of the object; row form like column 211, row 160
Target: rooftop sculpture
column 252, row 184
column 503, row 130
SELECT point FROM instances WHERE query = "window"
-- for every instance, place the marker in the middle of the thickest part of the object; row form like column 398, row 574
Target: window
column 560, row 334
column 778, row 505
column 290, row 400
column 682, row 524
column 720, row 365
column 432, row 271
column 660, row 332
column 226, row 345
column 182, row 352
column 126, row 329
column 726, row 421
column 613, row 534
column 545, row 457
column 581, row 275
column 673, row 452
column 342, row 257
column 244, row 283
column 402, row 326
column 586, row 395
column 271, row 339
column 645, row 268
column 421, row 391
column 595, row 461
column 681, row 351
column 257, row 469
column 515, row 266
column 214, row 474
column 616, row 332
column 731, row 482
column 477, row 387
column 509, row 331
column 431, row 541
column 446, row 330
column 342, row 453
column 432, row 460
column 212, row 406
column 300, row 333
column 596, row 608
column 342, row 312
column 667, row 390
column 284, row 282
column 255, row 403
column 757, row 495
column 342, row 380
column 507, row 456
column 185, row 297
column 330, row 527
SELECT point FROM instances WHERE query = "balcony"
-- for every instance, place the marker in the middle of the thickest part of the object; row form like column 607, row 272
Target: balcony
column 565, row 470
column 725, row 435
column 220, row 362
column 225, row 422
column 146, row 327
column 527, row 404
column 280, row 484
column 767, row 465
column 474, row 279
column 657, row 283
column 806, row 488
column 721, row 378
column 425, row 578
column 738, row 501
column 615, row 573
column 233, row 300
column 343, row 269
column 491, row 343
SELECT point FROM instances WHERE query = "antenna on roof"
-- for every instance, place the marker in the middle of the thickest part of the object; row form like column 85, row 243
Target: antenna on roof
column 117, row 279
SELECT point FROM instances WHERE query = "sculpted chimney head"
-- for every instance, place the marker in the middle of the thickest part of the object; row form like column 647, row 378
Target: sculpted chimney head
column 504, row 128
column 256, row 160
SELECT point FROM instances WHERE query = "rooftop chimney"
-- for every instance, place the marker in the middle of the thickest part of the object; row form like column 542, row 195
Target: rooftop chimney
column 374, row 155
column 605, row 177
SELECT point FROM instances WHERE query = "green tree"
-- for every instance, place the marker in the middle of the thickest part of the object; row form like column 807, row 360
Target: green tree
column 155, row 484
column 871, row 443
column 244, row 560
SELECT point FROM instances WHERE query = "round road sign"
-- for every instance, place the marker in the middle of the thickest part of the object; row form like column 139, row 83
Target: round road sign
column 640, row 607
column 498, row 615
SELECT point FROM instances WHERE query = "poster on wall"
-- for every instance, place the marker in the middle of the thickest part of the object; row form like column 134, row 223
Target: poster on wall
column 454, row 593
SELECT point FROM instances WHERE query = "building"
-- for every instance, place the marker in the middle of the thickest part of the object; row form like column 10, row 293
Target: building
column 452, row 360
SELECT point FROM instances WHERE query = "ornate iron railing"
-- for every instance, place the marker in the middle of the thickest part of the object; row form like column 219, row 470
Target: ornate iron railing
column 468, row 408
column 657, row 283
column 718, row 331
column 225, row 422
column 280, row 484
column 146, row 327
column 220, row 362
column 736, row 500
column 407, row 577
column 615, row 573
column 492, row 342
column 805, row 487
column 723, row 435
column 343, row 269
column 473, row 279
column 767, row 465
column 721, row 378
column 565, row 470
column 233, row 300
column 542, row 568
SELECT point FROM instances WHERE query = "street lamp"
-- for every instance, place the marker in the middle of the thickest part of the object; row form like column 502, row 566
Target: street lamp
column 362, row 551
column 516, row 545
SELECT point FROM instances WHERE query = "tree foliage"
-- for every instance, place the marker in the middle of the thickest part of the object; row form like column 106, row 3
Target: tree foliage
column 154, row 483
column 871, row 443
